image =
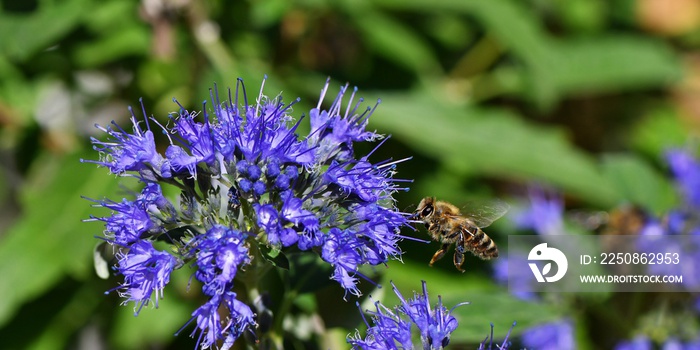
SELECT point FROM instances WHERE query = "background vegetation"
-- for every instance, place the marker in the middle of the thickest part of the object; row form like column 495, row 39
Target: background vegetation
column 487, row 96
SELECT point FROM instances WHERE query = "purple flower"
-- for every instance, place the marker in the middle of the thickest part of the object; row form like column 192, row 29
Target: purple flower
column 392, row 328
column 687, row 246
column 675, row 344
column 644, row 343
column 686, row 169
column 334, row 131
column 251, row 190
column 681, row 222
column 519, row 282
column 146, row 271
column 212, row 328
column 550, row 336
column 128, row 151
column 638, row 343
column 219, row 253
column 132, row 219
column 693, row 344
column 545, row 214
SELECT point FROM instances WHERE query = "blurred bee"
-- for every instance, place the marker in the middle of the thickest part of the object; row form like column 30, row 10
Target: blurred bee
column 447, row 225
column 625, row 220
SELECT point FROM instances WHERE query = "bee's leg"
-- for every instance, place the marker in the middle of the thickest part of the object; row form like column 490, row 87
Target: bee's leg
column 459, row 260
column 459, row 253
column 440, row 253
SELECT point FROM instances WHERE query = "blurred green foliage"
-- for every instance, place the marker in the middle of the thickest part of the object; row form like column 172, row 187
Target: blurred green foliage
column 488, row 96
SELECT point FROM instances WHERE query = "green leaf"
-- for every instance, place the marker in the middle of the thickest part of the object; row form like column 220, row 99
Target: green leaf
column 659, row 131
column 275, row 256
column 308, row 273
column 113, row 16
column 394, row 41
column 51, row 241
column 583, row 16
column 639, row 183
column 25, row 35
column 489, row 141
column 120, row 44
column 269, row 13
column 613, row 63
column 66, row 321
column 152, row 325
column 515, row 28
column 555, row 68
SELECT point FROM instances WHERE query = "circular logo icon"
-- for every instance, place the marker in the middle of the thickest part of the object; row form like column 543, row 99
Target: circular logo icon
column 543, row 253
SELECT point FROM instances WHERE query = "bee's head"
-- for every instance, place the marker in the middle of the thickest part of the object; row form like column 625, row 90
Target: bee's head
column 425, row 208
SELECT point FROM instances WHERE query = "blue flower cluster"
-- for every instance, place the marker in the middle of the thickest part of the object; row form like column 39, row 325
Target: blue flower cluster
column 544, row 216
column 643, row 343
column 556, row 335
column 393, row 328
column 682, row 220
column 249, row 188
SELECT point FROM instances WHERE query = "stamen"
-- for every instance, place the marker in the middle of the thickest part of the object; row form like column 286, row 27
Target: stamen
column 505, row 341
column 245, row 95
column 396, row 162
column 352, row 96
column 145, row 116
column 323, row 93
column 260, row 95
column 376, row 147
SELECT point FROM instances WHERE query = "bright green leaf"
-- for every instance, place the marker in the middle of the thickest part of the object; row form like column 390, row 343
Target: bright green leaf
column 395, row 41
column 639, row 183
column 152, row 325
column 659, row 131
column 555, row 68
column 489, row 141
column 25, row 35
column 51, row 241
column 131, row 41
column 613, row 63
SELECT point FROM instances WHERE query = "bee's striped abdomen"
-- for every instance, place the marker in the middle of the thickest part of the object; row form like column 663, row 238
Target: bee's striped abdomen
column 481, row 245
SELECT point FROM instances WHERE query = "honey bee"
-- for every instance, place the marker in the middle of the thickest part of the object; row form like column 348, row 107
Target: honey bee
column 625, row 220
column 448, row 226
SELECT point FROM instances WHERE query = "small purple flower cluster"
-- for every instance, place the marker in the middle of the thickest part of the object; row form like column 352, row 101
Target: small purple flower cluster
column 250, row 188
column 545, row 216
column 558, row 335
column 392, row 328
column 643, row 343
column 682, row 220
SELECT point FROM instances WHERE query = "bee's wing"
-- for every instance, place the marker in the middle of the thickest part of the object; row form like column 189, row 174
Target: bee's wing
column 589, row 220
column 483, row 213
